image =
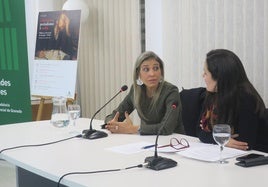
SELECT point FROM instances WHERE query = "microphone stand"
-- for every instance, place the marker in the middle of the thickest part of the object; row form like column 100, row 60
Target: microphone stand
column 157, row 162
column 95, row 134
column 92, row 133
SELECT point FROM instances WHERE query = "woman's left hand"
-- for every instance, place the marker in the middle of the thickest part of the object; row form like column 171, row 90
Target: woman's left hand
column 237, row 144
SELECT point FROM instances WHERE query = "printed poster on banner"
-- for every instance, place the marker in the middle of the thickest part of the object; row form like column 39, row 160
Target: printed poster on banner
column 55, row 61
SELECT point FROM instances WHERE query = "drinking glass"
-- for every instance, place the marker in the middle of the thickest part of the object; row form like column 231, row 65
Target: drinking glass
column 221, row 134
column 74, row 113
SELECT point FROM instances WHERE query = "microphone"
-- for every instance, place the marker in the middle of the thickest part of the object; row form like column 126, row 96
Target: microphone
column 156, row 162
column 94, row 134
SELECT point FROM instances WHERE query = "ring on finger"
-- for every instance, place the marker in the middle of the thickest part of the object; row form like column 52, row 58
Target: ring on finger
column 116, row 127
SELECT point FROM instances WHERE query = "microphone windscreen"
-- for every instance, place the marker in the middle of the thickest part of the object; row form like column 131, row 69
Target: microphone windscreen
column 124, row 88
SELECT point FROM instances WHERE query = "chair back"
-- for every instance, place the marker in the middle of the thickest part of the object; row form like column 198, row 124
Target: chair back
column 192, row 103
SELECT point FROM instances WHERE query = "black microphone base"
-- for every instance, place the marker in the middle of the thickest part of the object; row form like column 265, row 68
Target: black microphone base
column 94, row 134
column 159, row 163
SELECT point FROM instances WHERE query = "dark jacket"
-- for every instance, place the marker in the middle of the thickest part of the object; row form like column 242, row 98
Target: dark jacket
column 250, row 127
column 262, row 139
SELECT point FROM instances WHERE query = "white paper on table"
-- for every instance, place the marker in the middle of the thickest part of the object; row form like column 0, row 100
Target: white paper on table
column 130, row 148
column 209, row 152
column 169, row 149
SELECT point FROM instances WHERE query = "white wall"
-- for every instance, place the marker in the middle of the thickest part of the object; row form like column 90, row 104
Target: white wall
column 154, row 26
column 188, row 29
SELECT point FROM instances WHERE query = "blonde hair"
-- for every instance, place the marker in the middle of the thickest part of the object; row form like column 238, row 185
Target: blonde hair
column 66, row 21
column 139, row 89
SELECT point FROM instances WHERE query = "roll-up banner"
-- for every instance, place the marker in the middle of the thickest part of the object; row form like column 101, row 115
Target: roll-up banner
column 15, row 102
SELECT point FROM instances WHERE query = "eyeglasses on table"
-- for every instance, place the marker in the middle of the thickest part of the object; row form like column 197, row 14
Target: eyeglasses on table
column 177, row 144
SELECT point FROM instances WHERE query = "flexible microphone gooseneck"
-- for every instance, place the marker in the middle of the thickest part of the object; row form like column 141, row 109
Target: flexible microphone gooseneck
column 156, row 162
column 94, row 134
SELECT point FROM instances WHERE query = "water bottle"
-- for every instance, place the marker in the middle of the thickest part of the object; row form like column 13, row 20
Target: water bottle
column 59, row 117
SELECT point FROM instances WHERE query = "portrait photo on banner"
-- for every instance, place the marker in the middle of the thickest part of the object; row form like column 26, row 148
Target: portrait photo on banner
column 58, row 35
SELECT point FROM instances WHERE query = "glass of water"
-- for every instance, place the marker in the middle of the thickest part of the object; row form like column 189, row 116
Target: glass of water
column 74, row 113
column 221, row 134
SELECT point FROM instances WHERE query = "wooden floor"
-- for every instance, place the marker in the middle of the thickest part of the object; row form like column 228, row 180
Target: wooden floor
column 7, row 174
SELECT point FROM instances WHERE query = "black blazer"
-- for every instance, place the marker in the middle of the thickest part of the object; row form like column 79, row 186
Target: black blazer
column 262, row 139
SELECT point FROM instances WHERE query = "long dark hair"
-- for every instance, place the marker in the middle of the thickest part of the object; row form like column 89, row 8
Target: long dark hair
column 227, row 69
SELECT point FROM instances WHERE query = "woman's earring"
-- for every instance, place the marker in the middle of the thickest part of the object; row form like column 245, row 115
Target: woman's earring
column 216, row 88
column 139, row 81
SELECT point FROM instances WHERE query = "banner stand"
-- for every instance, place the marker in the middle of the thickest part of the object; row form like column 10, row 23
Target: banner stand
column 41, row 106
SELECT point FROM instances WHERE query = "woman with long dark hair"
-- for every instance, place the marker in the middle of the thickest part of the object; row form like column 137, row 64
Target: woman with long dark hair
column 231, row 99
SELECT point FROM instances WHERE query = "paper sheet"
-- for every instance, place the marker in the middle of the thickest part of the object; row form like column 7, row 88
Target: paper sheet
column 209, row 152
column 130, row 148
column 198, row 151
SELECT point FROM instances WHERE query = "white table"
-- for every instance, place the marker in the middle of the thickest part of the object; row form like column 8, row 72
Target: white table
column 44, row 165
